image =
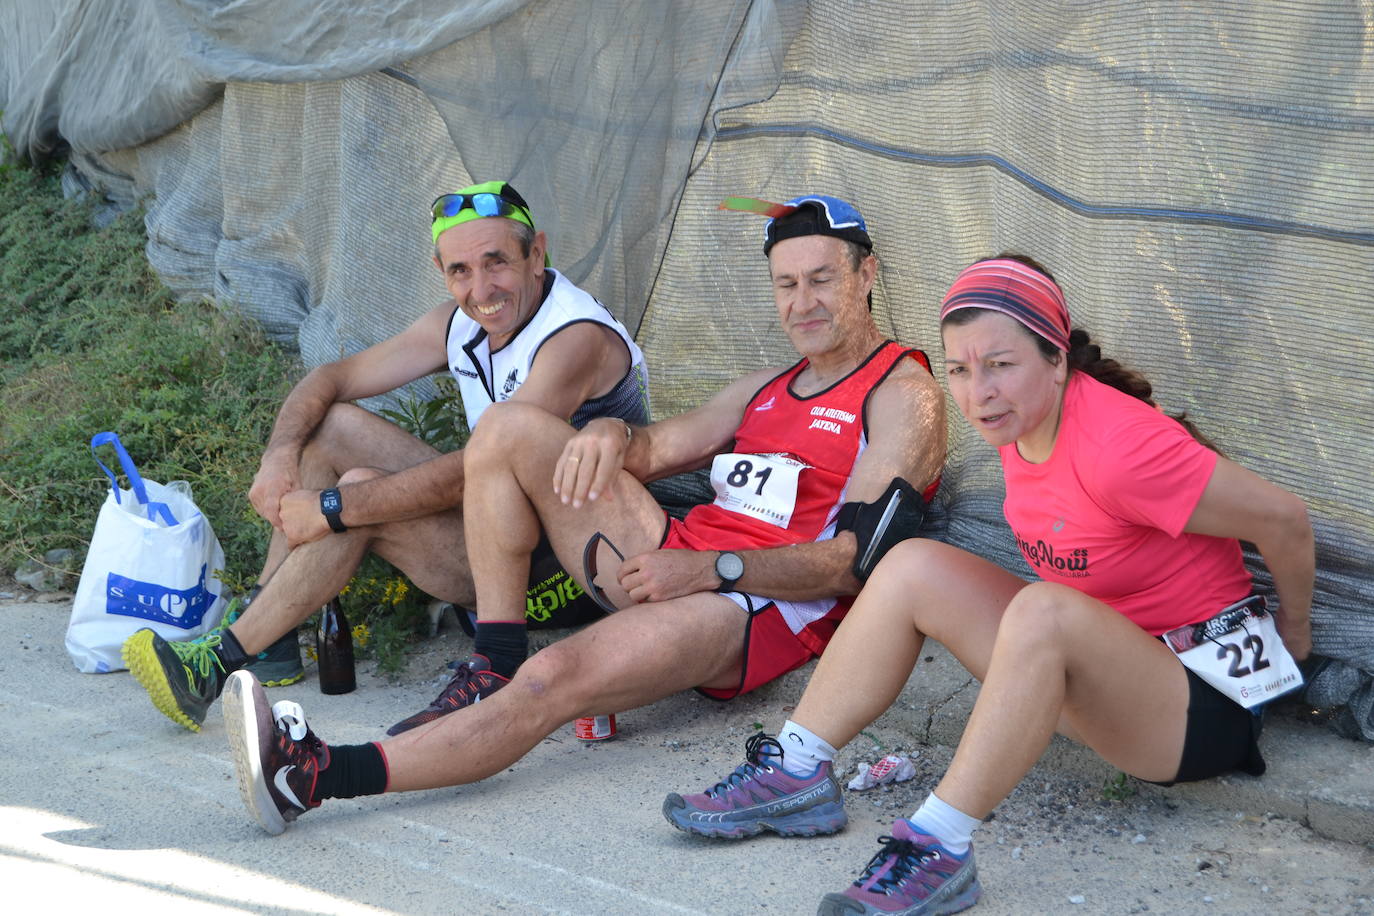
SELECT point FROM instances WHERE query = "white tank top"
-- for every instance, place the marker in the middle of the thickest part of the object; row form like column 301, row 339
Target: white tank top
column 485, row 377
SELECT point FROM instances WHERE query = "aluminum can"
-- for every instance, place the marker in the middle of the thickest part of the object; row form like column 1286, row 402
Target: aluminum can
column 595, row 728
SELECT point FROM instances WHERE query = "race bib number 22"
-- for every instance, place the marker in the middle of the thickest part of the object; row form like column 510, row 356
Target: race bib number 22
column 1239, row 652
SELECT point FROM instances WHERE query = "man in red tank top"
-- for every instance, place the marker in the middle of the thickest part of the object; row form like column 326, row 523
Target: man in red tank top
column 743, row 590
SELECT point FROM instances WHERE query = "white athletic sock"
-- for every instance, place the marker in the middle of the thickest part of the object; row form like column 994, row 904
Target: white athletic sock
column 802, row 749
column 952, row 827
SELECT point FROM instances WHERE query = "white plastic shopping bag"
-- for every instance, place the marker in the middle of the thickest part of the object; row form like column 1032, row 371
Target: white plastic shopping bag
column 151, row 563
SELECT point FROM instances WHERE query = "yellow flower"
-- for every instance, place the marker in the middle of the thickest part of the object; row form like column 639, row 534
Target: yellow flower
column 362, row 634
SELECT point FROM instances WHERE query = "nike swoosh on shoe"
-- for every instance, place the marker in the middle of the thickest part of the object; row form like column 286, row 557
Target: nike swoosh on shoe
column 280, row 782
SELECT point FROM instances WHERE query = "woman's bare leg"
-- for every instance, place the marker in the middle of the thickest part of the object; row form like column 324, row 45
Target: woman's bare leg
column 1062, row 657
column 921, row 588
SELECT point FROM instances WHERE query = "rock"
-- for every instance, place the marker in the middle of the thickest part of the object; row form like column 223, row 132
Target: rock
column 55, row 573
column 437, row 609
column 36, row 576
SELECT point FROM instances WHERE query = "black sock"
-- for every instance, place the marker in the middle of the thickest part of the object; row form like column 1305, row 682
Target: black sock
column 354, row 769
column 230, row 652
column 504, row 644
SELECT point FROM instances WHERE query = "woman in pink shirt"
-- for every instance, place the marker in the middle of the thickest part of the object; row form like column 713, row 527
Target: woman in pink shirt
column 1132, row 523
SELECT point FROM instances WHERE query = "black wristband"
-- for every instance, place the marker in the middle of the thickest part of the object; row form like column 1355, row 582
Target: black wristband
column 330, row 506
column 878, row 526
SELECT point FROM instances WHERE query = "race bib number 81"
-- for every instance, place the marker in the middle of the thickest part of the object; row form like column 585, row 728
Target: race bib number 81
column 761, row 486
column 1239, row 652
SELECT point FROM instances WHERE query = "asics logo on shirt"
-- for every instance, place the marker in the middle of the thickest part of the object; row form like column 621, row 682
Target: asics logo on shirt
column 766, row 405
column 466, row 373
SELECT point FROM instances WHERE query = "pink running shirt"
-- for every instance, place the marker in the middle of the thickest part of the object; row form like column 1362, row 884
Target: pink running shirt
column 1105, row 514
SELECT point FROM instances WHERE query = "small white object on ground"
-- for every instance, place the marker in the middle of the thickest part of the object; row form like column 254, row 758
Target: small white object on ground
column 892, row 768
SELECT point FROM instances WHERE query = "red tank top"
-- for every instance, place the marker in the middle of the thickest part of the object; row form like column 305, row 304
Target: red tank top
column 785, row 480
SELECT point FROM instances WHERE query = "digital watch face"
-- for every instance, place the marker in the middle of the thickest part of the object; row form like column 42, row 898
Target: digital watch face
column 329, row 501
column 729, row 567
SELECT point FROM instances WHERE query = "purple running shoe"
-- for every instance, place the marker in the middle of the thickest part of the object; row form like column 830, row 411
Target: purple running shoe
column 760, row 795
column 912, row 875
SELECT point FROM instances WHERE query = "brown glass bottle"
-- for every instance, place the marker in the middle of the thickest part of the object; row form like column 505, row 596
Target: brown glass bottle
column 334, row 646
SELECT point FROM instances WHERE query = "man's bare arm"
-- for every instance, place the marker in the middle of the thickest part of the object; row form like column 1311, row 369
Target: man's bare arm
column 603, row 448
column 413, row 353
column 906, row 424
column 572, row 366
column 579, row 362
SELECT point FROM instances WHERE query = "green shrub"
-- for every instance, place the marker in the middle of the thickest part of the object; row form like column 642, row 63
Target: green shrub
column 90, row 340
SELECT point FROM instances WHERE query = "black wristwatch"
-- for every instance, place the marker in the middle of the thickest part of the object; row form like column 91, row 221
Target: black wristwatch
column 330, row 506
column 729, row 567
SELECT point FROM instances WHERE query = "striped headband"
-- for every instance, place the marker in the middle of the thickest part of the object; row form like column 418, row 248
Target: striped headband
column 1014, row 289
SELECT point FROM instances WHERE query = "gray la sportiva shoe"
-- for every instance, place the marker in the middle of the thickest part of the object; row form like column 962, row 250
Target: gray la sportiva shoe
column 277, row 756
column 760, row 795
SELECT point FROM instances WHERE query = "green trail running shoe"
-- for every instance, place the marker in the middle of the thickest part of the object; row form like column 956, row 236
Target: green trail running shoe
column 280, row 663
column 182, row 678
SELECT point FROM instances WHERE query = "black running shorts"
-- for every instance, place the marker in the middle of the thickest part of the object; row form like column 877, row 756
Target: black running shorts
column 1222, row 735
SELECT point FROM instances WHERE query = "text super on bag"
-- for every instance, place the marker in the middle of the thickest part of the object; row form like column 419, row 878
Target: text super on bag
column 151, row 563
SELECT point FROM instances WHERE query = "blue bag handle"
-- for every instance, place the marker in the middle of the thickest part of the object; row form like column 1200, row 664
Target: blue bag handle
column 135, row 481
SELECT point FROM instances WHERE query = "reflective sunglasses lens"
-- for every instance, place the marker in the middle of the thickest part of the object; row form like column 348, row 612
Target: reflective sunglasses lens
column 487, row 204
column 447, row 205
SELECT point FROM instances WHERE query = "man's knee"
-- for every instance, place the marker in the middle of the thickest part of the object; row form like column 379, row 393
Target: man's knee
column 512, row 421
column 512, row 434
column 340, row 428
column 360, row 475
column 547, row 679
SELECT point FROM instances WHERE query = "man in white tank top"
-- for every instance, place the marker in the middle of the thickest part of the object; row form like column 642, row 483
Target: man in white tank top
column 337, row 481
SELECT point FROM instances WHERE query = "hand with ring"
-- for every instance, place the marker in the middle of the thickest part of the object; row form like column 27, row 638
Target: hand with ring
column 590, row 461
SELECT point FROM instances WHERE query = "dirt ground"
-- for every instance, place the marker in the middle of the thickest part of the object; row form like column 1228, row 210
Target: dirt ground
column 103, row 799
